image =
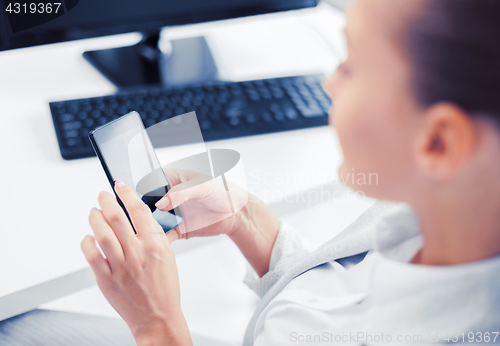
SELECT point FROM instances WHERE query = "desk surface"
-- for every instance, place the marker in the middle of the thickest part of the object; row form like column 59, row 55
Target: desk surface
column 47, row 200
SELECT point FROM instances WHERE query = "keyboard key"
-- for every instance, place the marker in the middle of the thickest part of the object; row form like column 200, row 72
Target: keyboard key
column 113, row 104
column 70, row 134
column 71, row 142
column 254, row 97
column 71, row 126
column 65, row 117
column 101, row 106
column 278, row 94
column 312, row 112
column 239, row 103
column 235, row 121
column 267, row 117
column 279, row 116
column 160, row 105
column 88, row 122
column 95, row 113
column 233, row 112
column 128, row 104
column 59, row 107
column 87, row 107
column 205, row 124
column 74, row 108
column 291, row 113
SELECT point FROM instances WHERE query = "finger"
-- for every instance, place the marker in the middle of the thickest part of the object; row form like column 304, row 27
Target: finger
column 106, row 239
column 99, row 264
column 173, row 235
column 177, row 176
column 116, row 218
column 181, row 193
column 139, row 212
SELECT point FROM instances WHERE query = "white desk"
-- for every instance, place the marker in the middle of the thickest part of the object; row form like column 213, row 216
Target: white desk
column 46, row 200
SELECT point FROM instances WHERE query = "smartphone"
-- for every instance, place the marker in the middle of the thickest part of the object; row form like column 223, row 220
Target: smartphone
column 126, row 153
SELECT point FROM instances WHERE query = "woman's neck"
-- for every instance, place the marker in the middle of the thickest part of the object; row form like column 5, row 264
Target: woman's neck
column 461, row 228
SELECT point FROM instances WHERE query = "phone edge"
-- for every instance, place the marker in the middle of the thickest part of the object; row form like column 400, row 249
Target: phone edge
column 108, row 173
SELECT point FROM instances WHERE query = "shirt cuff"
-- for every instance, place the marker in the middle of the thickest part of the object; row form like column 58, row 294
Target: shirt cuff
column 289, row 248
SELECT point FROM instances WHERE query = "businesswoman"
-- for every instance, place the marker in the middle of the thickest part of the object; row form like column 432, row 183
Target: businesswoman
column 418, row 102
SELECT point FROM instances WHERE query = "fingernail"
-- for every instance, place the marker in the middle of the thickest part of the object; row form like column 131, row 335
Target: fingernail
column 162, row 203
column 93, row 209
column 119, row 183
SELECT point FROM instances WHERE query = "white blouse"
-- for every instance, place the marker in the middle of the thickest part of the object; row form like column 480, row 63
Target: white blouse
column 382, row 300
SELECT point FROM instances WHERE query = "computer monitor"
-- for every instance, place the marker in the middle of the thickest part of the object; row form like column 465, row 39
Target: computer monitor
column 25, row 24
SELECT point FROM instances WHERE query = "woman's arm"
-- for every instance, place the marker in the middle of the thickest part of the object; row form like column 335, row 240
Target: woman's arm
column 255, row 231
column 162, row 334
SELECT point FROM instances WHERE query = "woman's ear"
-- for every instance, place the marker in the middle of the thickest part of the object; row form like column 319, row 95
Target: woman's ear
column 446, row 141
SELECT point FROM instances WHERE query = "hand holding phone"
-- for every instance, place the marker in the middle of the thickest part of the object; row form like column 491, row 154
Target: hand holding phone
column 126, row 153
column 137, row 274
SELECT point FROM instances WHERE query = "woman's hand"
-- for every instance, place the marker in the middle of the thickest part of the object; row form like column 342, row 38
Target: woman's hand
column 209, row 209
column 139, row 274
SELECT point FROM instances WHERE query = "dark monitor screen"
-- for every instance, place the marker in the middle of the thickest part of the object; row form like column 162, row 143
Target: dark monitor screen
column 24, row 24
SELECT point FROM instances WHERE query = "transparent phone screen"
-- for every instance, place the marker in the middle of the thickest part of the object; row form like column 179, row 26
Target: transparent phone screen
column 130, row 157
column 169, row 149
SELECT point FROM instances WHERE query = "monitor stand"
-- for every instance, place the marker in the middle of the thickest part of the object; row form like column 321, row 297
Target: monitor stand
column 188, row 61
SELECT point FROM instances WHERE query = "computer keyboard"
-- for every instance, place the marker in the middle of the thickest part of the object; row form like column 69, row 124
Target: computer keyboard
column 224, row 110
